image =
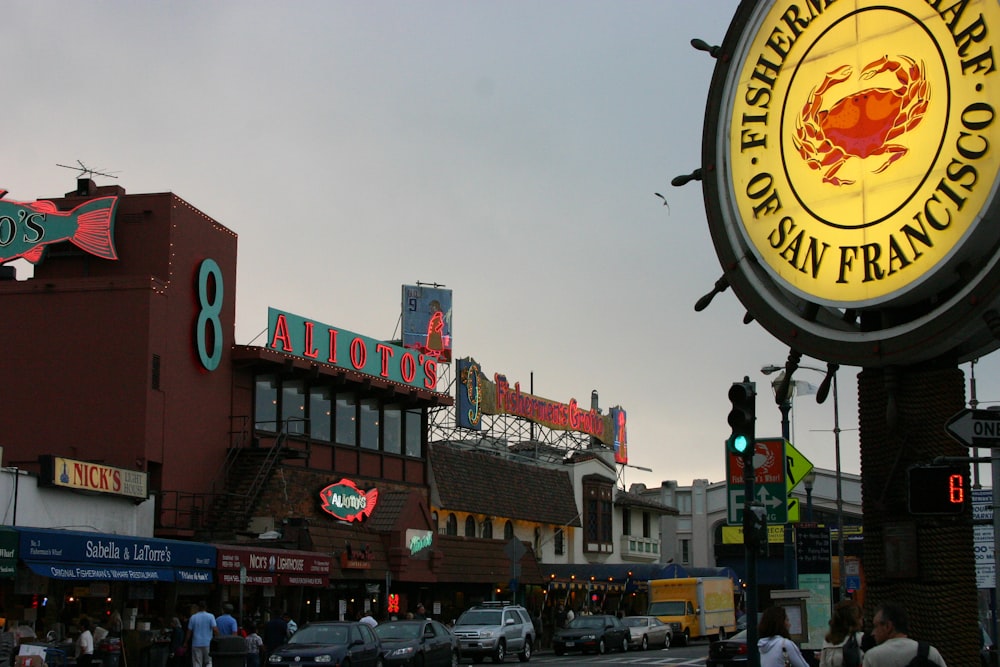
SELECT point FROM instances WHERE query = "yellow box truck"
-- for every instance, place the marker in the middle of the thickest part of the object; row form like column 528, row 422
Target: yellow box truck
column 694, row 606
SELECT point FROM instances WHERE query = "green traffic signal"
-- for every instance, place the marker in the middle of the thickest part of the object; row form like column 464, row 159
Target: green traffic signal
column 742, row 417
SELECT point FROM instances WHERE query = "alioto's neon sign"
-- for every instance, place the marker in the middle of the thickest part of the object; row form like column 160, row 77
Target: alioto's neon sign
column 309, row 339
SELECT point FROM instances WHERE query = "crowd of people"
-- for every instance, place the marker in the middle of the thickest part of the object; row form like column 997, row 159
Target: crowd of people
column 191, row 642
column 847, row 644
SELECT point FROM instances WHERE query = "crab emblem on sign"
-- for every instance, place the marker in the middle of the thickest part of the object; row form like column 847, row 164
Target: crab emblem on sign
column 864, row 123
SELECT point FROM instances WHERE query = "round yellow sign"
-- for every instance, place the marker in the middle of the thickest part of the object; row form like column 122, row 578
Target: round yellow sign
column 859, row 139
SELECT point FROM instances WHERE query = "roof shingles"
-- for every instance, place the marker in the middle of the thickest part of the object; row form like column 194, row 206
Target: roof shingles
column 481, row 483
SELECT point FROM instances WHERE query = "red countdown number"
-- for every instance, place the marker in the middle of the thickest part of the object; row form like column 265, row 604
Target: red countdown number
column 956, row 489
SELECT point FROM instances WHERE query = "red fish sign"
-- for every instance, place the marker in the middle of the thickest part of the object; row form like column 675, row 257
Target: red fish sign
column 28, row 228
column 347, row 502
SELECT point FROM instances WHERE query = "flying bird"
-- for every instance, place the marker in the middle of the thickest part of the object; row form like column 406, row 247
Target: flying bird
column 665, row 202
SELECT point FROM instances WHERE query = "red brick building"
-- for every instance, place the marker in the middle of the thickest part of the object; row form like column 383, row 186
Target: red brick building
column 132, row 363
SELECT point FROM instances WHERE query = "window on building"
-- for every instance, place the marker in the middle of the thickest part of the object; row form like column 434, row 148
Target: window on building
column 346, row 431
column 320, row 412
column 508, row 530
column 293, row 407
column 685, row 552
column 392, row 429
column 155, row 371
column 558, row 542
column 452, row 527
column 597, row 516
column 488, row 528
column 413, row 432
column 368, row 418
column 684, row 502
column 626, row 521
column 470, row 526
column 265, row 417
column 647, row 524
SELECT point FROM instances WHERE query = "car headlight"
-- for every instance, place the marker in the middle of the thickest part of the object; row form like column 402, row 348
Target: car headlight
column 588, row 638
column 323, row 658
column 486, row 634
column 275, row 658
column 404, row 652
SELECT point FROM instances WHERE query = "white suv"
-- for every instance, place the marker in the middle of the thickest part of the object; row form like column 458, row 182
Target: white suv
column 495, row 629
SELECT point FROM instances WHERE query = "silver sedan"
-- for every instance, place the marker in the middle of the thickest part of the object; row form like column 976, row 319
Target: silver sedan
column 646, row 631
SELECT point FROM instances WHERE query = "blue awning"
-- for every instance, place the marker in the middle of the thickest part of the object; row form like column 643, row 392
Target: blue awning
column 78, row 556
column 99, row 572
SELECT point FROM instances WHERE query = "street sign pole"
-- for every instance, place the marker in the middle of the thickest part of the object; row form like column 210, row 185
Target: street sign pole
column 753, row 658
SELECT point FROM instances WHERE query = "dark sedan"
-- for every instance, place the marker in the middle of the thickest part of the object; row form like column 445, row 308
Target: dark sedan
column 599, row 633
column 422, row 642
column 328, row 644
column 728, row 652
column 733, row 652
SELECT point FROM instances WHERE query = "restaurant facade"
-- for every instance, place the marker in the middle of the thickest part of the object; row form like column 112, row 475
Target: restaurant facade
column 287, row 476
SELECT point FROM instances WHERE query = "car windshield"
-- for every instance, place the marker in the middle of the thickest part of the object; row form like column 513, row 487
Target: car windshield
column 480, row 617
column 674, row 608
column 586, row 622
column 391, row 631
column 635, row 621
column 320, row 634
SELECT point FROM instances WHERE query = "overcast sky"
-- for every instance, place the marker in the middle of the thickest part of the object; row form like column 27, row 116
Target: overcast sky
column 507, row 150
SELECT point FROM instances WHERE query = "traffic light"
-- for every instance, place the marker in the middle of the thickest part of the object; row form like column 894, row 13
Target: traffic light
column 937, row 489
column 742, row 417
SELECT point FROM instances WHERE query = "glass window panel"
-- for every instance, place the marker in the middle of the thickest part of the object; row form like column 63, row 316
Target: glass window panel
column 369, row 423
column 320, row 410
column 470, row 526
column 413, row 432
column 347, row 419
column 266, row 403
column 293, row 407
column 392, row 429
column 488, row 528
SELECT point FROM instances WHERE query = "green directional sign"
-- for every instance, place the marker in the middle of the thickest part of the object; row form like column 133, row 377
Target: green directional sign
column 770, row 482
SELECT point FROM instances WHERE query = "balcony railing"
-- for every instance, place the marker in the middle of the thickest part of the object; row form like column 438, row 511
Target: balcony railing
column 644, row 548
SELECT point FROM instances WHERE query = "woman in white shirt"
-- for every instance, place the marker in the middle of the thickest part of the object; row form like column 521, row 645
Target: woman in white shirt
column 846, row 622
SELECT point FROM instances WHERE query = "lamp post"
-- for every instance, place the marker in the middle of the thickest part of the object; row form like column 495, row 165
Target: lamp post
column 808, row 482
column 830, row 377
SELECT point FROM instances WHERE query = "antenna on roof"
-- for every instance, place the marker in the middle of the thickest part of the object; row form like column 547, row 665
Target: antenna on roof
column 86, row 171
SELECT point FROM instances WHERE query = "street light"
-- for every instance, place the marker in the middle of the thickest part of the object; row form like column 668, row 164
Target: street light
column 830, row 376
column 808, row 482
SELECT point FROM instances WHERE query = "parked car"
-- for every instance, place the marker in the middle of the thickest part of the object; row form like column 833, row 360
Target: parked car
column 599, row 633
column 333, row 643
column 421, row 642
column 647, row 631
column 495, row 629
column 728, row 652
column 732, row 652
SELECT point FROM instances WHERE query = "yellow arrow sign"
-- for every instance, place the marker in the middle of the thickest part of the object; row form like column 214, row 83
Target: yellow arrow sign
column 797, row 466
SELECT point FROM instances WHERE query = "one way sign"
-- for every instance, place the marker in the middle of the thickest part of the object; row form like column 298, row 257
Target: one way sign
column 975, row 428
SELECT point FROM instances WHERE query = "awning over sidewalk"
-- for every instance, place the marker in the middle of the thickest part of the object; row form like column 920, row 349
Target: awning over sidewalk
column 79, row 556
